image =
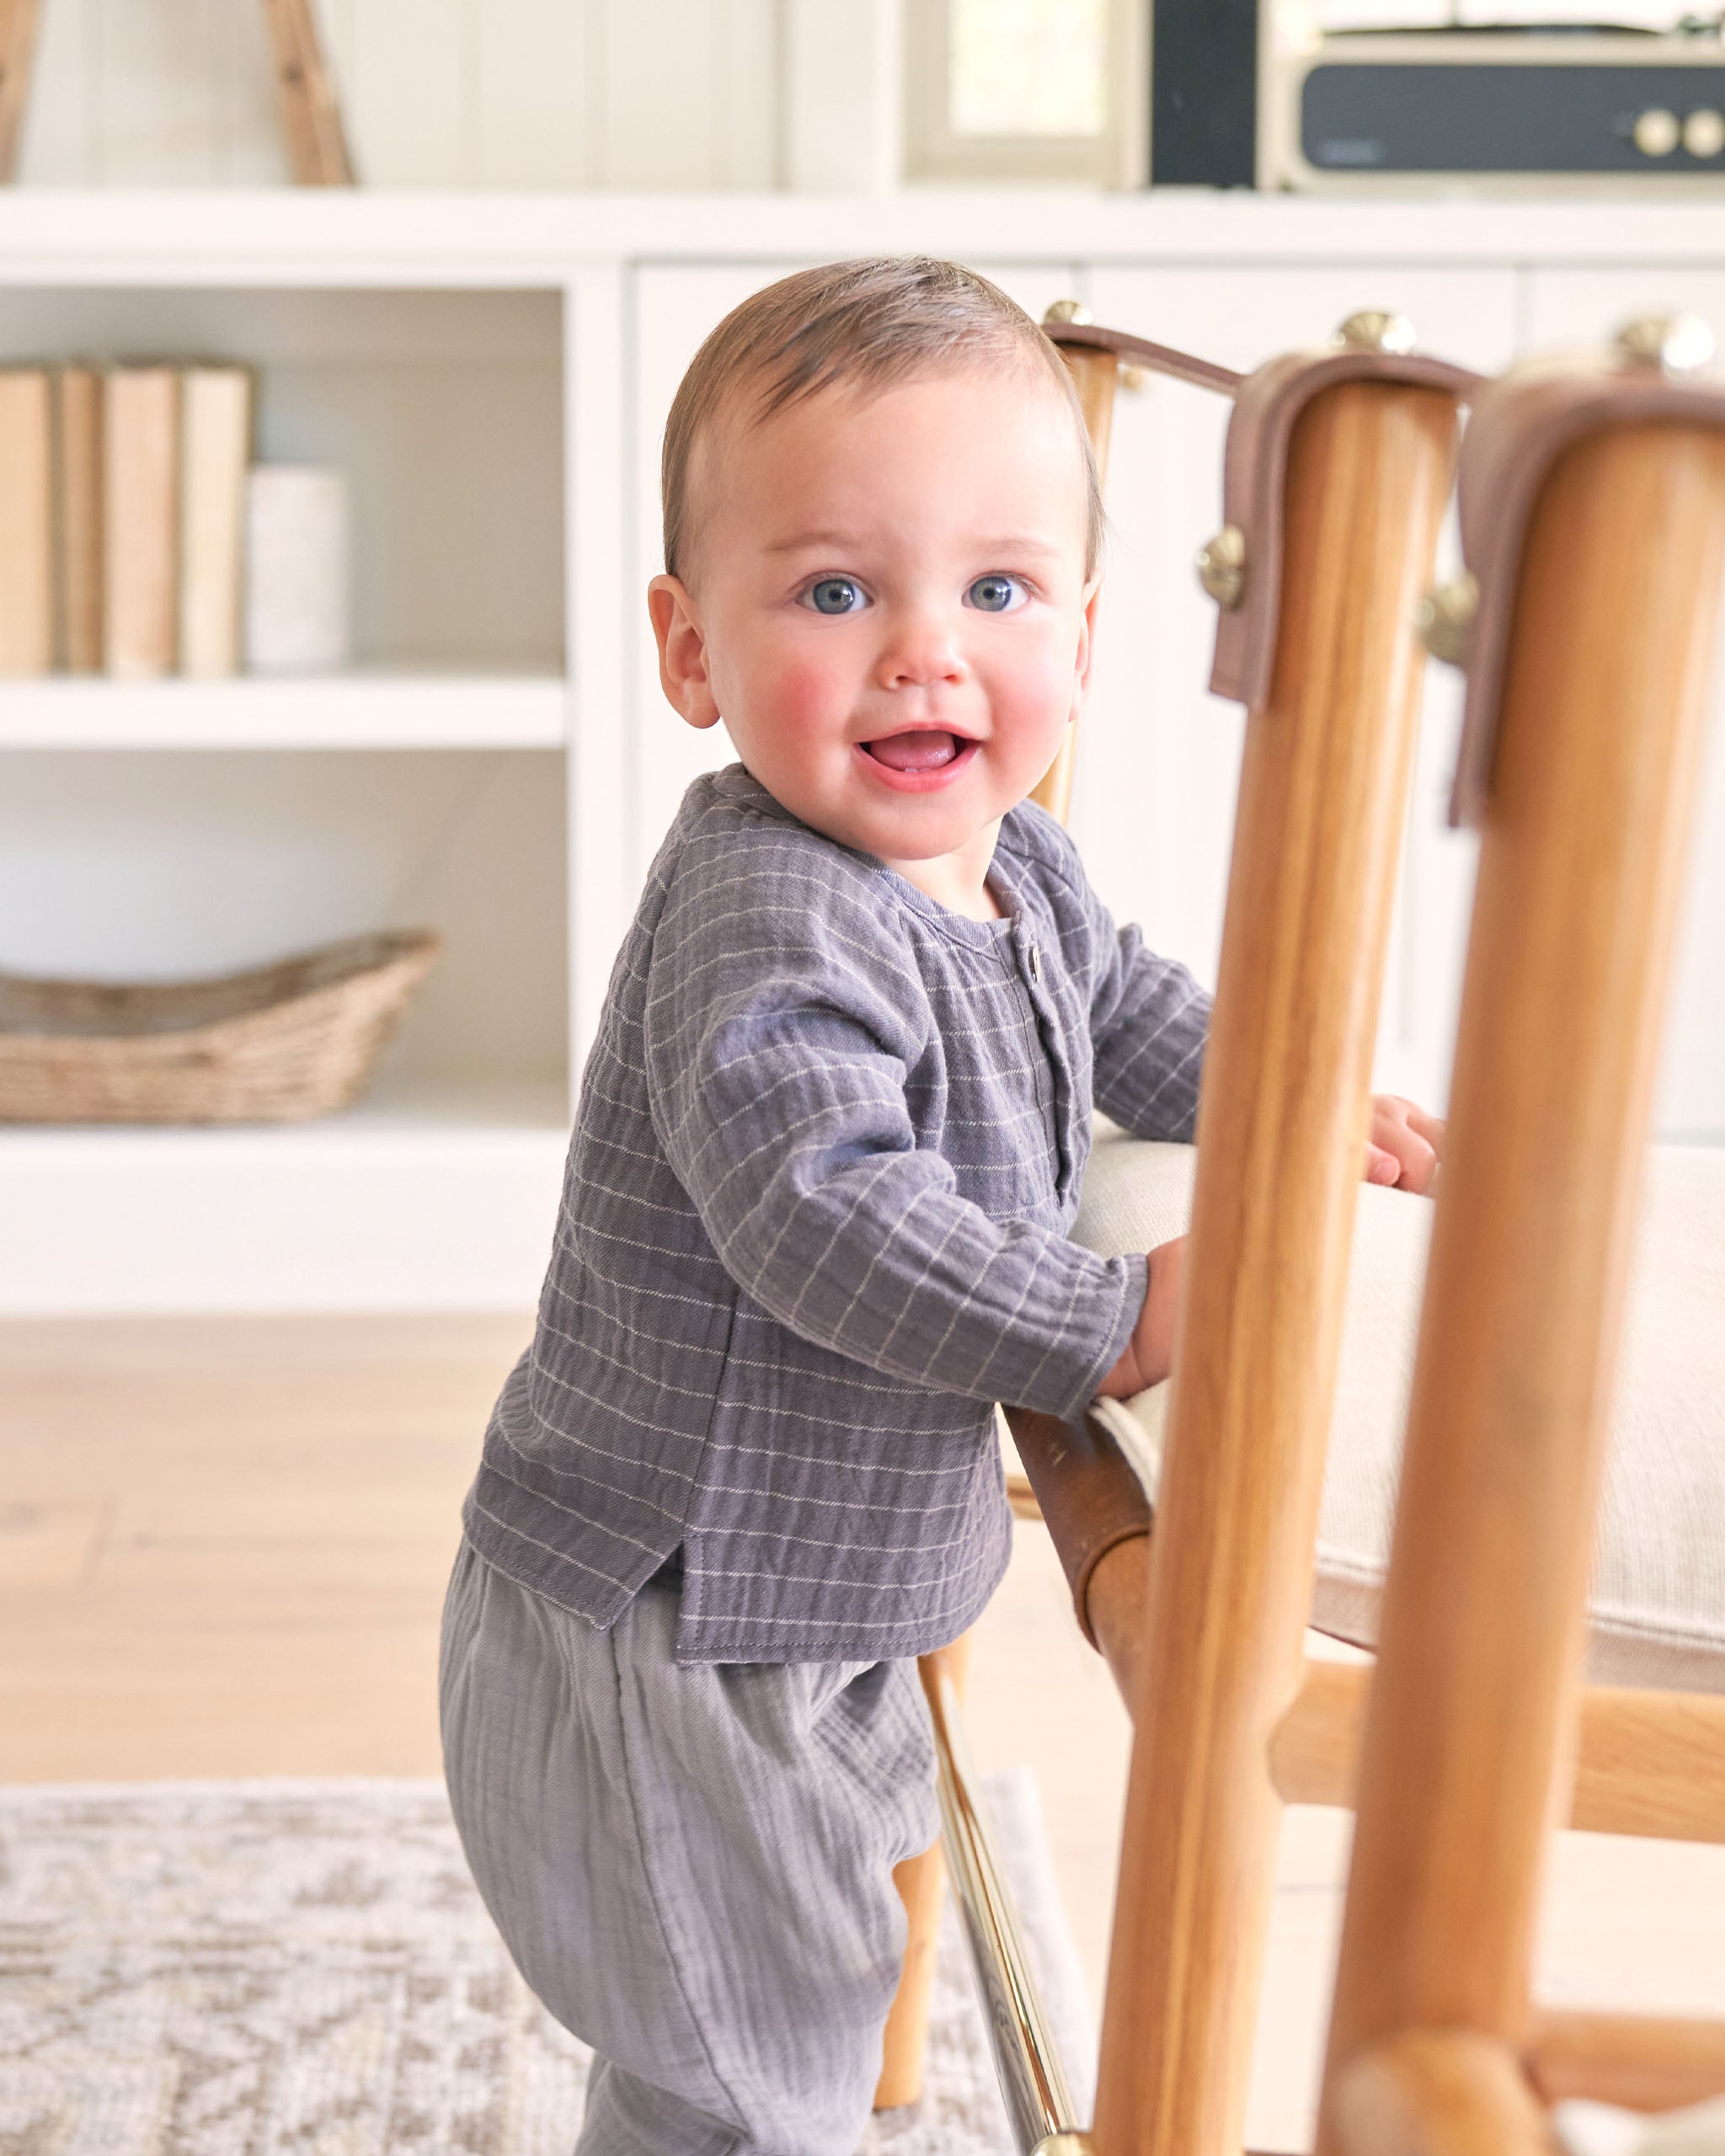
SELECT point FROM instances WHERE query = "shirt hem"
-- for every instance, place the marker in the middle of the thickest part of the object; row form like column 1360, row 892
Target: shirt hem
column 735, row 1640
column 559, row 1576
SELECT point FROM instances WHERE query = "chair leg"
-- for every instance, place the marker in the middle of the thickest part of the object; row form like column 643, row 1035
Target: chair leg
column 922, row 1884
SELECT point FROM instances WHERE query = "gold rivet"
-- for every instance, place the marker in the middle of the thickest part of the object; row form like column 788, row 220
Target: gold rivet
column 1444, row 618
column 1374, row 330
column 1675, row 344
column 1073, row 311
column 1133, row 378
column 1221, row 567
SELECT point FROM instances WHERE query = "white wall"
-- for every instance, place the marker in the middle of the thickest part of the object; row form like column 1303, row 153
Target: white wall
column 551, row 93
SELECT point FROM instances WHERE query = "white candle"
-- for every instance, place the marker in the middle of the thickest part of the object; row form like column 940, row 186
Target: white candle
column 297, row 612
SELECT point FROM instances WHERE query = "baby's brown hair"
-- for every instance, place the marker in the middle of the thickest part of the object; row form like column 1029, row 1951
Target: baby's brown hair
column 866, row 324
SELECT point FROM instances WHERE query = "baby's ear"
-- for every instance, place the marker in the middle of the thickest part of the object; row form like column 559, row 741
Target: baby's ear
column 1086, row 646
column 682, row 650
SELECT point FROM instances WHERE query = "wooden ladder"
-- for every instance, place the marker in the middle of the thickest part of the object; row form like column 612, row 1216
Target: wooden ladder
column 311, row 116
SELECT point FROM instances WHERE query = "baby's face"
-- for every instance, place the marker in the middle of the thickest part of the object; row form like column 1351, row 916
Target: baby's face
column 889, row 610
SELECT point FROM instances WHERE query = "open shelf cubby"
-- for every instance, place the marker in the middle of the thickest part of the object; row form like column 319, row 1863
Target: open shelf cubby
column 172, row 828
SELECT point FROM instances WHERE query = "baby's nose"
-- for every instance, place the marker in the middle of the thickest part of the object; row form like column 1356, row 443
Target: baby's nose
column 920, row 653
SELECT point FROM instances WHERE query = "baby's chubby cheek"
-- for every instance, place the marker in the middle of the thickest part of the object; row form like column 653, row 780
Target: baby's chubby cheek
column 1033, row 692
column 804, row 700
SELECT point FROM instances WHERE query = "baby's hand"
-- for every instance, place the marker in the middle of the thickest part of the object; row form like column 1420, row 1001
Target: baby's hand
column 1149, row 1354
column 1404, row 1143
column 1402, row 1149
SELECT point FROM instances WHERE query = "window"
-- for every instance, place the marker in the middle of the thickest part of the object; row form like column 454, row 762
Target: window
column 1026, row 89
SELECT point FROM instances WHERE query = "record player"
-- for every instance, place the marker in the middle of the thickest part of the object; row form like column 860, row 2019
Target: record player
column 1535, row 106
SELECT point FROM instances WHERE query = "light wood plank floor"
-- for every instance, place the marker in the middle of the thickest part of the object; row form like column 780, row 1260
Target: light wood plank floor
column 222, row 1550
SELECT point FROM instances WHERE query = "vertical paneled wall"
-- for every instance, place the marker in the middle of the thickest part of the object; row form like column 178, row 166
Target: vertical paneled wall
column 632, row 93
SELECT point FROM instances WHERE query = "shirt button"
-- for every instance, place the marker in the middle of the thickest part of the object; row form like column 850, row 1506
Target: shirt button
column 1035, row 962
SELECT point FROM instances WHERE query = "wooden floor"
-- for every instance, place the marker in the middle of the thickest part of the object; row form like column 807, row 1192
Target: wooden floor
column 222, row 1550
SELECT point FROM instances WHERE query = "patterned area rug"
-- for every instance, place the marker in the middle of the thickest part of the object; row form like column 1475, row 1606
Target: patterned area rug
column 256, row 1968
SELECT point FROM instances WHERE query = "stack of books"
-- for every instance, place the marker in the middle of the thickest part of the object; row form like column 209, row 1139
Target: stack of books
column 122, row 519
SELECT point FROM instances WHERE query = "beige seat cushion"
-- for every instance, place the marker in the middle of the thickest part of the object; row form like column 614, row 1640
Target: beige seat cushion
column 1657, row 1606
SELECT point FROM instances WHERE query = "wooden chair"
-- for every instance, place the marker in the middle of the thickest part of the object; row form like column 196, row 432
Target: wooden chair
column 1479, row 1736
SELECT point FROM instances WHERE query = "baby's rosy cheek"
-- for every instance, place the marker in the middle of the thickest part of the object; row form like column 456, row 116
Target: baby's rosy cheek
column 1036, row 679
column 805, row 690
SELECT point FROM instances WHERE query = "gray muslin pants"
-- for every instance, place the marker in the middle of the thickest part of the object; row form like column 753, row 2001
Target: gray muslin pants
column 691, row 1865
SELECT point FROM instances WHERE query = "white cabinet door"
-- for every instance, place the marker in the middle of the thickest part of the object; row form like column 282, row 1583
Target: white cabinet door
column 674, row 310
column 1576, row 310
column 1159, row 757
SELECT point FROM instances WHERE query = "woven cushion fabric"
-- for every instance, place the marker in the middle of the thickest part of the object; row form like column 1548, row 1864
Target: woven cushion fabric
column 1657, row 1607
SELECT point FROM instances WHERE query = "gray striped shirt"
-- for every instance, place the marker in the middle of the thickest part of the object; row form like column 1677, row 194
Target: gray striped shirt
column 814, row 1225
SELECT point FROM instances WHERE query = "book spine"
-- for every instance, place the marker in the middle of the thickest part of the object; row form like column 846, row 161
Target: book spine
column 141, row 470
column 215, row 425
column 78, row 524
column 26, row 525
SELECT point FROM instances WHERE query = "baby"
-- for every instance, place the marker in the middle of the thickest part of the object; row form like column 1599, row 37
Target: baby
column 828, row 1147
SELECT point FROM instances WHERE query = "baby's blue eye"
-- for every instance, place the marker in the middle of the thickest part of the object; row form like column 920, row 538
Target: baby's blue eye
column 835, row 594
column 997, row 594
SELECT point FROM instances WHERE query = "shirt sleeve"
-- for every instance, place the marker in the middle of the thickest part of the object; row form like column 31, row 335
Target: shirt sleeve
column 783, row 1020
column 1149, row 1021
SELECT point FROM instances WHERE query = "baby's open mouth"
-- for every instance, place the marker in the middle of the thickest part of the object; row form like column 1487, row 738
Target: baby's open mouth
column 923, row 748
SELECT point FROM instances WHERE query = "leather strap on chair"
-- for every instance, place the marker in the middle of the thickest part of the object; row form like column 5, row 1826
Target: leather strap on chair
column 1267, row 407
column 1090, row 1497
column 1158, row 359
column 1521, row 426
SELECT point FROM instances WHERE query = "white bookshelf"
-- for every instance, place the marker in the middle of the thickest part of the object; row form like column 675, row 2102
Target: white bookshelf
column 353, row 710
column 492, row 370
column 433, row 1197
column 182, row 828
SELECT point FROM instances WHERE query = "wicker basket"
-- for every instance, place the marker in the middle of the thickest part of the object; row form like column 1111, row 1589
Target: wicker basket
column 285, row 1041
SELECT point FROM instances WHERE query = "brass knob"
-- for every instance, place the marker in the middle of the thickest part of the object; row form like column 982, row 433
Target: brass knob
column 1374, row 330
column 1675, row 344
column 1073, row 311
column 1221, row 567
column 1444, row 618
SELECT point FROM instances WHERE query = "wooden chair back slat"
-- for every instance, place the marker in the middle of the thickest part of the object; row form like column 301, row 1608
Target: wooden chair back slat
column 1471, row 1738
column 1095, row 376
column 1281, row 1131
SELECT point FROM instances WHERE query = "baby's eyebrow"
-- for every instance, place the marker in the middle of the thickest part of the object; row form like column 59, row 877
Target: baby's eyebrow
column 799, row 540
column 1019, row 543
column 1014, row 543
